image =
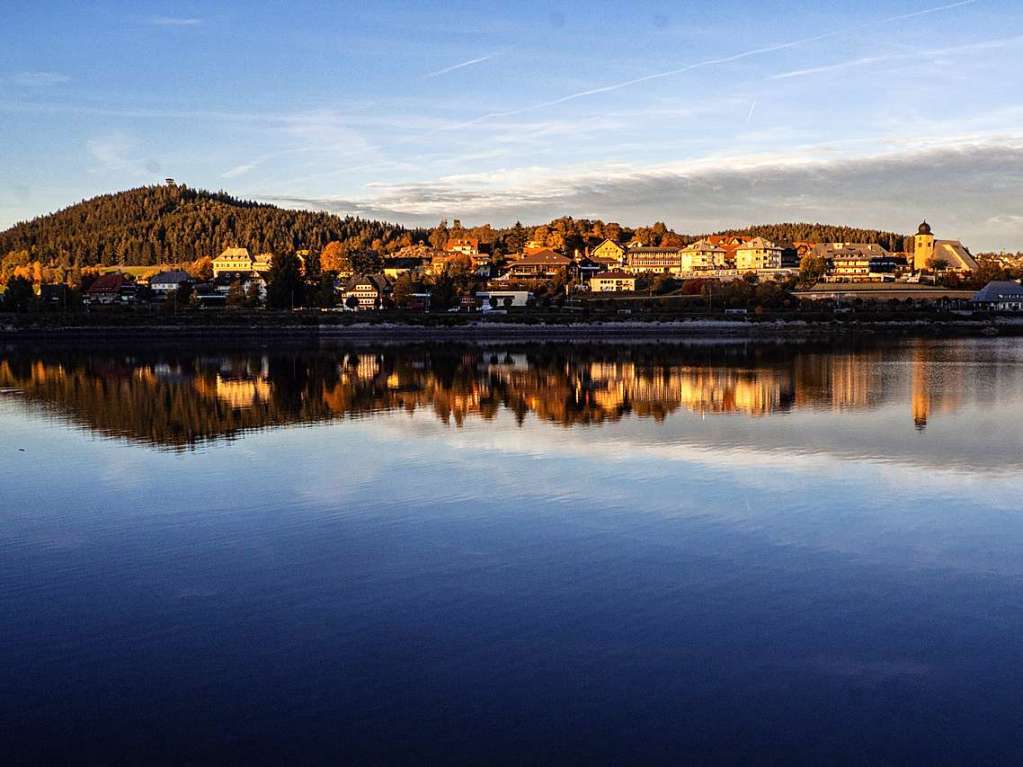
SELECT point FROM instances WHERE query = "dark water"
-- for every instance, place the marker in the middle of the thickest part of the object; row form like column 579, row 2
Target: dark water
column 680, row 554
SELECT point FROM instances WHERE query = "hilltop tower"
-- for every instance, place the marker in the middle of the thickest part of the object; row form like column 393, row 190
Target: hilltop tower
column 923, row 247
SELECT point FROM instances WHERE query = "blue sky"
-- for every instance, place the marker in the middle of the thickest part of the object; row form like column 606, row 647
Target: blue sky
column 702, row 114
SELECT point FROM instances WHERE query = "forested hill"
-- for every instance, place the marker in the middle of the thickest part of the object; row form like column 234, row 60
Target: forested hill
column 821, row 233
column 175, row 224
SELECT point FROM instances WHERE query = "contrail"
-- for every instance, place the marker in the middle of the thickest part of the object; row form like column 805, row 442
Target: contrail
column 714, row 62
column 752, row 108
column 914, row 54
column 464, row 64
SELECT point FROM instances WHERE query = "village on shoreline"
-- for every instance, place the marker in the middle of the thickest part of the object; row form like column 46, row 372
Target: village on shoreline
column 638, row 274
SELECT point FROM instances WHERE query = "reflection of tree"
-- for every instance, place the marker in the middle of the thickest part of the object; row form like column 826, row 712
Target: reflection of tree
column 176, row 399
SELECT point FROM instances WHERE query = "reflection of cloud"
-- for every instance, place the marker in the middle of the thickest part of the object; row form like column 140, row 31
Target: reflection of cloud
column 969, row 180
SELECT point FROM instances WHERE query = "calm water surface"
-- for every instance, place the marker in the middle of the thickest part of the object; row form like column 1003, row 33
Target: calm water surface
column 713, row 553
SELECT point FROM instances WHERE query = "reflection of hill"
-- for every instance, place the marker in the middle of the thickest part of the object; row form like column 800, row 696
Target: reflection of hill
column 176, row 399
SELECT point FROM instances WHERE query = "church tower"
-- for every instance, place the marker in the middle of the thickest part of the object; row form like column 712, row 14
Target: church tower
column 923, row 247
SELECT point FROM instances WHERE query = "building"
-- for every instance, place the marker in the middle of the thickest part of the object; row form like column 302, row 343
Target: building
column 758, row 254
column 651, row 260
column 54, row 295
column 263, row 262
column 613, row 282
column 1000, row 297
column 222, row 284
column 858, row 262
column 370, row 291
column 235, row 260
column 238, row 262
column 109, row 289
column 703, row 255
column 537, row 266
column 165, row 283
column 729, row 242
column 395, row 267
column 929, row 252
column 503, row 299
column 609, row 250
column 467, row 246
column 587, row 267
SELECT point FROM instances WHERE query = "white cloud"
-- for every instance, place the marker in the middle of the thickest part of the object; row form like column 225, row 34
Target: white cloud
column 38, row 79
column 174, row 21
column 964, row 181
column 455, row 67
column 239, row 170
column 120, row 153
column 914, row 56
column 715, row 62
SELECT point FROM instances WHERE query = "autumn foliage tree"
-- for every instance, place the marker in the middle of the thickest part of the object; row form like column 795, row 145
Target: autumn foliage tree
column 334, row 258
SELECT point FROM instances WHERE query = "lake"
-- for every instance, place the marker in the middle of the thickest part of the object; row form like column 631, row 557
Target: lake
column 714, row 552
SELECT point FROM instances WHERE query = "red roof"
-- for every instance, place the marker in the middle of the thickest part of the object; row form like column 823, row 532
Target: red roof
column 544, row 258
column 108, row 283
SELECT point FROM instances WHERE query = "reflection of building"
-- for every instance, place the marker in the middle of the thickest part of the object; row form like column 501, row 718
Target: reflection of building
column 242, row 392
column 176, row 399
column 919, row 393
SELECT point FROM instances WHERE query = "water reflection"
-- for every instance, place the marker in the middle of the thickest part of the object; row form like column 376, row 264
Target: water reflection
column 545, row 552
column 176, row 398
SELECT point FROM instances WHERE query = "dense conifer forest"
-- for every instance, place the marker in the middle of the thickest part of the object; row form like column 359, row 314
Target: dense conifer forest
column 175, row 224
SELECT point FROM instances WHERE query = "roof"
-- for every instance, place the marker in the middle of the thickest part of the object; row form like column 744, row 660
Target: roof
column 174, row 276
column 234, row 253
column 378, row 281
column 402, row 262
column 702, row 246
column 108, row 283
column 228, row 278
column 544, row 258
column 758, row 243
column 857, row 250
column 999, row 291
column 955, row 253
column 924, row 228
column 652, row 250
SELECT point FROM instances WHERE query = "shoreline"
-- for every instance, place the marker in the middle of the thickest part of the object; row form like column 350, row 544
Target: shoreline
column 1004, row 326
